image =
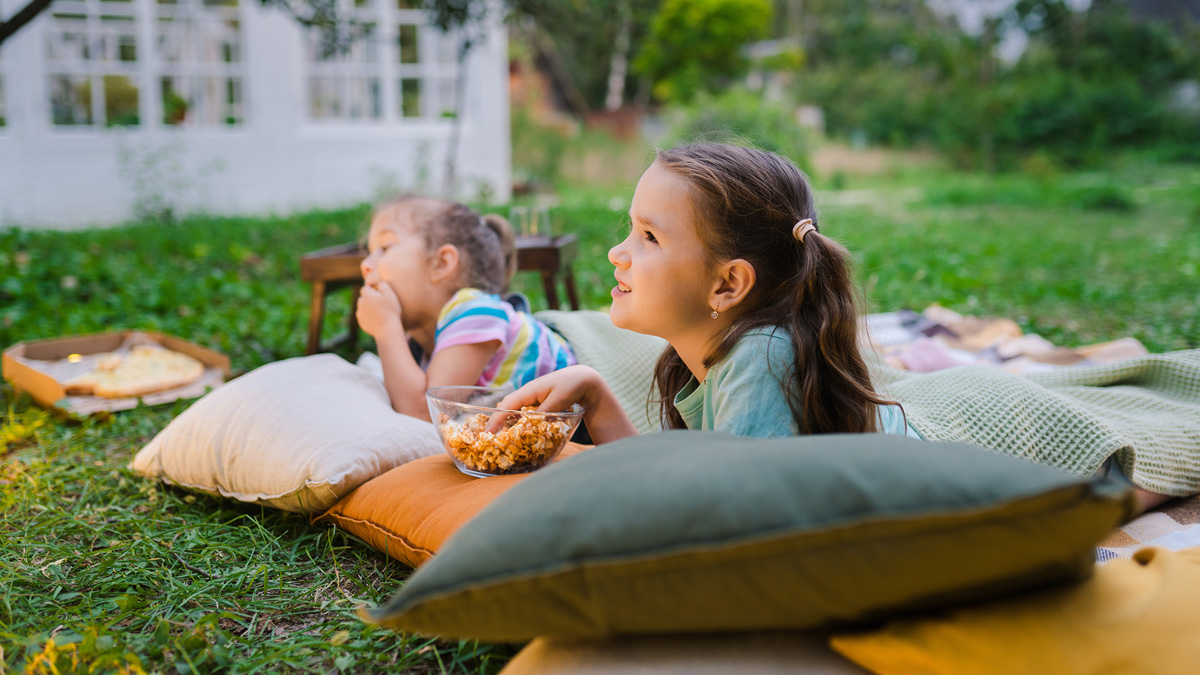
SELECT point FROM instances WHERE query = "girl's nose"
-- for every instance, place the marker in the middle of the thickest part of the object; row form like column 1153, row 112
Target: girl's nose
column 617, row 255
column 366, row 266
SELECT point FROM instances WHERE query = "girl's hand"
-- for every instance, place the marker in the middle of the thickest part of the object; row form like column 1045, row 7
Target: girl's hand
column 378, row 310
column 555, row 392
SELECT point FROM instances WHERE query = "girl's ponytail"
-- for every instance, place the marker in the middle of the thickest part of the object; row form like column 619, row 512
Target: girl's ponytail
column 508, row 244
column 832, row 390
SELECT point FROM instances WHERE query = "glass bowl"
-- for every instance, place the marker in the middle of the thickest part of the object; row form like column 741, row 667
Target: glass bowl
column 486, row 441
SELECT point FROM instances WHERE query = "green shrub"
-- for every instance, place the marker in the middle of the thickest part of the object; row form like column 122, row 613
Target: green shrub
column 695, row 45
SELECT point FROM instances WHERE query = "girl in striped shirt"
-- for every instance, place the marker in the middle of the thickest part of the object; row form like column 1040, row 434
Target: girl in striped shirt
column 433, row 274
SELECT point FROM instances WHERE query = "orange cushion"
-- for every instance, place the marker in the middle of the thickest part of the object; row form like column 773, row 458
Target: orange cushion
column 409, row 511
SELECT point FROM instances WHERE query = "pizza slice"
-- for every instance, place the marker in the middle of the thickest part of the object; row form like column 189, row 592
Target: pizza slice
column 147, row 369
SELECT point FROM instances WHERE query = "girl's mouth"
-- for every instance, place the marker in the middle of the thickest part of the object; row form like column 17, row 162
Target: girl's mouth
column 623, row 288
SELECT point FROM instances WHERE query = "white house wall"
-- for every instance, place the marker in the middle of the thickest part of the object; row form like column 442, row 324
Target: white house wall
column 278, row 160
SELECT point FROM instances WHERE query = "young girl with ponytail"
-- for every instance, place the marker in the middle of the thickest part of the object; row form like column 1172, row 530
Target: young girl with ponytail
column 725, row 260
column 433, row 275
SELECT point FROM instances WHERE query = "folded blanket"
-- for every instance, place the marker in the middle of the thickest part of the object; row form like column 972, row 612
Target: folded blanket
column 1145, row 410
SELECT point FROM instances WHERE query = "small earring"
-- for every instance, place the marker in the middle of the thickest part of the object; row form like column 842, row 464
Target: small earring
column 714, row 314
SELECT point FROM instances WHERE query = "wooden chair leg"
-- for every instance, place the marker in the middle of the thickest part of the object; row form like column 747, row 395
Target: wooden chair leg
column 316, row 315
column 572, row 295
column 551, row 291
column 352, row 328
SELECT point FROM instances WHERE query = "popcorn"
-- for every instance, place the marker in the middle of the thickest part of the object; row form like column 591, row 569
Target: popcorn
column 522, row 445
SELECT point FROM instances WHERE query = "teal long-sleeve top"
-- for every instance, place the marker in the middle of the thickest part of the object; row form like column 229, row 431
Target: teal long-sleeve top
column 742, row 394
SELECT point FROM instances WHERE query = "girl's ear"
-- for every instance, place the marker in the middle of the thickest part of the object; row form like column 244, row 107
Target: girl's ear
column 734, row 282
column 444, row 263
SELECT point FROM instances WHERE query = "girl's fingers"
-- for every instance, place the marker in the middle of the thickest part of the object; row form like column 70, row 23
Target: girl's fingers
column 519, row 399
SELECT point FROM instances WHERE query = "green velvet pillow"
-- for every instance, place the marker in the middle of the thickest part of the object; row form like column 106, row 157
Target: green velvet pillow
column 688, row 531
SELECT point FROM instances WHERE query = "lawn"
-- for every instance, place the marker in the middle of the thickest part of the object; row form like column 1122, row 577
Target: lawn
column 126, row 573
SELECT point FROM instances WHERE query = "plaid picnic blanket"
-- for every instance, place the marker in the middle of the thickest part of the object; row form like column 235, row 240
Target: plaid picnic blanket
column 1174, row 526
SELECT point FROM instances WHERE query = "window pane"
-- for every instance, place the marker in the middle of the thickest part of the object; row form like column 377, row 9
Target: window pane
column 364, row 98
column 70, row 100
column 120, row 101
column 173, row 39
column 67, row 39
column 231, row 51
column 117, row 40
column 410, row 97
column 174, row 100
column 323, row 99
column 202, row 100
column 233, row 101
column 407, row 39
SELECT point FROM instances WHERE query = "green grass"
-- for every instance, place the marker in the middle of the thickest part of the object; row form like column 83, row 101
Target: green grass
column 121, row 571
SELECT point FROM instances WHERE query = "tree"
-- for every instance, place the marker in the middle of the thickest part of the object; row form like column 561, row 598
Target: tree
column 695, row 45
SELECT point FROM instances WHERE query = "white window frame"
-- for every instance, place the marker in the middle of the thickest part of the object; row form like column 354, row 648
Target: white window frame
column 148, row 69
column 198, row 70
column 95, row 66
column 435, row 64
column 361, row 65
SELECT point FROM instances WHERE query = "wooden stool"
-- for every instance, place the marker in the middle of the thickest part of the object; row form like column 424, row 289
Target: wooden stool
column 337, row 267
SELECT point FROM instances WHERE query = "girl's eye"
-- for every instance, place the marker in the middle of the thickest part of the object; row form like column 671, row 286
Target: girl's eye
column 650, row 237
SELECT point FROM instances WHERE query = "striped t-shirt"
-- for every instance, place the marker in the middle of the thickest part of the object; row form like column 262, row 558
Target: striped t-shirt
column 528, row 348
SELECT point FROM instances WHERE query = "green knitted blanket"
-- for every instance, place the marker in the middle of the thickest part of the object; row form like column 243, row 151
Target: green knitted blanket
column 1145, row 411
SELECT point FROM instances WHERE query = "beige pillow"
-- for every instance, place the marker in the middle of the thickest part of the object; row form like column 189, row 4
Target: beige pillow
column 295, row 435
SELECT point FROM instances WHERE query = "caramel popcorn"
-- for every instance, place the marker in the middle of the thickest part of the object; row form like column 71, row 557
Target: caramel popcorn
column 520, row 446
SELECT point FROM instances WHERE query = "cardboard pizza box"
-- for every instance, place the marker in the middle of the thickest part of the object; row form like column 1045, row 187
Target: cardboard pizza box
column 39, row 366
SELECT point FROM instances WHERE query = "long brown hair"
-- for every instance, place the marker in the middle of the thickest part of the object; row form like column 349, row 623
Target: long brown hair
column 486, row 245
column 746, row 203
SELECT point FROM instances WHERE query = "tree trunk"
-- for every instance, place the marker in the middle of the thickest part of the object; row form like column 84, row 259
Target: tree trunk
column 620, row 61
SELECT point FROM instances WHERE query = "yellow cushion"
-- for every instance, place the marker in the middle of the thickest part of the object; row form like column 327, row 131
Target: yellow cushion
column 765, row 653
column 1132, row 616
column 409, row 511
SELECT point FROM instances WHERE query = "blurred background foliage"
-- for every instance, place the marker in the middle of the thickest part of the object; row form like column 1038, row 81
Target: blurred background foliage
column 1067, row 82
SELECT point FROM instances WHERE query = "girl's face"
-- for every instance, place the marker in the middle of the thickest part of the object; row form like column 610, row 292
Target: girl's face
column 398, row 258
column 664, row 280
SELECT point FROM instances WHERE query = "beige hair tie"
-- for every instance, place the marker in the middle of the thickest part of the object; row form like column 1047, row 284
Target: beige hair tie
column 802, row 228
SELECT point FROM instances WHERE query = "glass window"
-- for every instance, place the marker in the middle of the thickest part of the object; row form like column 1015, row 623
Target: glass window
column 70, row 100
column 407, row 44
column 200, row 47
column 347, row 83
column 92, row 60
column 410, row 97
column 403, row 69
